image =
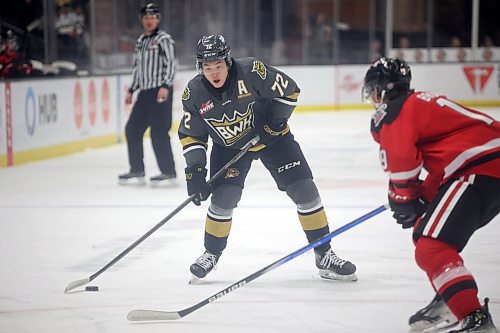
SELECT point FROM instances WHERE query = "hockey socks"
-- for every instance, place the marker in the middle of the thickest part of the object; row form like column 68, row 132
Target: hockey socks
column 447, row 273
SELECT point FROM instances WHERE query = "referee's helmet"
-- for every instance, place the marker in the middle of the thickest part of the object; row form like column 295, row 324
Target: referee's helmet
column 151, row 9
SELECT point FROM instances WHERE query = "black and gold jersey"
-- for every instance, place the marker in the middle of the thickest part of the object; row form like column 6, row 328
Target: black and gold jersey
column 231, row 115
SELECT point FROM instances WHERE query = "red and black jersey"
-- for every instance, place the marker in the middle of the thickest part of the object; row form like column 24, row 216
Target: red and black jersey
column 425, row 131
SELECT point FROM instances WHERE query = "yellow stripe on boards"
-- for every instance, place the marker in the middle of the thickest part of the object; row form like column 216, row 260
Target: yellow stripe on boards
column 42, row 153
column 367, row 106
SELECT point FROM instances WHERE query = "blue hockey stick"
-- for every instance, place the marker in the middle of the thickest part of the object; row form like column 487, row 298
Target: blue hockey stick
column 144, row 315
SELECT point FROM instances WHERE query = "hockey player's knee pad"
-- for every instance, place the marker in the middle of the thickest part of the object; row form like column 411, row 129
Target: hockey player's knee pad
column 303, row 191
column 226, row 196
column 432, row 255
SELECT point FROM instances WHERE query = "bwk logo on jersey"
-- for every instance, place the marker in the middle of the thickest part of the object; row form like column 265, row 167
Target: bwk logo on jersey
column 207, row 106
column 232, row 129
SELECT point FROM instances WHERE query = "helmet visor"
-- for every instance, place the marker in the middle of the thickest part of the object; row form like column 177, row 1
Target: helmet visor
column 370, row 93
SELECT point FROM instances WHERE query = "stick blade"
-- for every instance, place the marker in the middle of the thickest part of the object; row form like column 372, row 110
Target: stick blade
column 145, row 315
column 76, row 284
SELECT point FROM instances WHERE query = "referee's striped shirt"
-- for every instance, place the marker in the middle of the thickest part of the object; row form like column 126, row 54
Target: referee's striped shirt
column 154, row 61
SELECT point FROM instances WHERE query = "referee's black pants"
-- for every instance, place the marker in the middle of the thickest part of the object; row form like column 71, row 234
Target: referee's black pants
column 147, row 112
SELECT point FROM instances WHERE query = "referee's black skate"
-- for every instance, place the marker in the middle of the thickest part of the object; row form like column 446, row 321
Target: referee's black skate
column 435, row 317
column 203, row 265
column 132, row 178
column 478, row 321
column 333, row 268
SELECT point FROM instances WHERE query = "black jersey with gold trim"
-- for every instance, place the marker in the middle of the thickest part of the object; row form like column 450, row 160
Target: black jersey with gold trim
column 253, row 93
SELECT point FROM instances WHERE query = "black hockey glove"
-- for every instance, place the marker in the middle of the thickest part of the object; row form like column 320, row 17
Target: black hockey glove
column 407, row 213
column 271, row 131
column 196, row 183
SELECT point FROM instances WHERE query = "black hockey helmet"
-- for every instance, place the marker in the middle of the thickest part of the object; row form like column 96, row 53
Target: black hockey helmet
column 386, row 78
column 151, row 9
column 212, row 48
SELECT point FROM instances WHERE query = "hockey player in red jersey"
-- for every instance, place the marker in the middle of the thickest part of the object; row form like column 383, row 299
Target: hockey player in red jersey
column 459, row 148
column 230, row 101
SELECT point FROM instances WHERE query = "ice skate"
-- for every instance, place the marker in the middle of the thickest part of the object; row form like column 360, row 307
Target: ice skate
column 333, row 268
column 132, row 178
column 478, row 321
column 203, row 265
column 164, row 180
column 435, row 317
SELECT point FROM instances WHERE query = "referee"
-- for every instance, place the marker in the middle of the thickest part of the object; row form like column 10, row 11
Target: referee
column 153, row 75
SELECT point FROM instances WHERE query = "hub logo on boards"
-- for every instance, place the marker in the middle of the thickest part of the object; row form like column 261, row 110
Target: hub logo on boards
column 30, row 111
column 41, row 110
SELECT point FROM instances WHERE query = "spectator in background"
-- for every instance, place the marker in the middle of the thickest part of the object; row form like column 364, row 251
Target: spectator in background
column 70, row 27
column 455, row 42
column 82, row 38
column 375, row 50
column 66, row 23
column 403, row 43
column 293, row 39
column 321, row 40
column 460, row 54
column 11, row 62
column 487, row 44
column 6, row 56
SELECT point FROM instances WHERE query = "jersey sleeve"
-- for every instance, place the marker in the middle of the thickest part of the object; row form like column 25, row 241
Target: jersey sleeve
column 134, row 85
column 401, row 158
column 273, row 84
column 192, row 132
column 169, row 61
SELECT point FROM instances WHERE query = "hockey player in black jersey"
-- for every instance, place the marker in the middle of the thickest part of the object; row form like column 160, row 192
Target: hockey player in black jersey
column 231, row 101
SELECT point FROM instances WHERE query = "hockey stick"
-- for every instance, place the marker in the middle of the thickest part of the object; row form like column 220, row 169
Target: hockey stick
column 78, row 283
column 144, row 315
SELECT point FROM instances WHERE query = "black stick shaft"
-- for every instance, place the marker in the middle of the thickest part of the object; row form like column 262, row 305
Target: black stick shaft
column 240, row 154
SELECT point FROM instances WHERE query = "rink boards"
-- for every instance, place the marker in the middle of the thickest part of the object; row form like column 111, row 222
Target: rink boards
column 44, row 118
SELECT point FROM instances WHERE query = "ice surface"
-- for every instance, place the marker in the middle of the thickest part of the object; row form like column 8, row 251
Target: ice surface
column 63, row 219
